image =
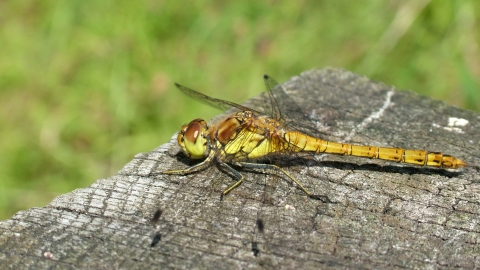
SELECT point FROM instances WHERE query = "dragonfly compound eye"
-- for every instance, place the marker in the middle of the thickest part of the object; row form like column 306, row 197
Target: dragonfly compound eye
column 193, row 141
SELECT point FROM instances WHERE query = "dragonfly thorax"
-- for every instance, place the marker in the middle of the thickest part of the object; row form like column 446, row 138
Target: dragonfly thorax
column 194, row 139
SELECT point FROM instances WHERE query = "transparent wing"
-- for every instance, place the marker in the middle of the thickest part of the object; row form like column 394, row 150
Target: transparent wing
column 210, row 101
column 285, row 110
column 278, row 105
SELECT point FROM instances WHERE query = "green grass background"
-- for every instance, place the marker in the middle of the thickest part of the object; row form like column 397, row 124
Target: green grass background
column 85, row 85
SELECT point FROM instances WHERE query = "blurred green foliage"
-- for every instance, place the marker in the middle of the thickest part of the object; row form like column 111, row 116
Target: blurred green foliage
column 85, row 85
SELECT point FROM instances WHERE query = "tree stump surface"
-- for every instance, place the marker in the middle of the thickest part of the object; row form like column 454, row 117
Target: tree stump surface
column 377, row 214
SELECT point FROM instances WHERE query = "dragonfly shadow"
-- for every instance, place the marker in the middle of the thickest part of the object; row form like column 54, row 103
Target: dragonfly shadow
column 409, row 170
column 182, row 158
column 365, row 169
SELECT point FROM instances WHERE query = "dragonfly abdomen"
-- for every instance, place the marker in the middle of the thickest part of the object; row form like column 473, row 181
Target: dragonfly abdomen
column 304, row 142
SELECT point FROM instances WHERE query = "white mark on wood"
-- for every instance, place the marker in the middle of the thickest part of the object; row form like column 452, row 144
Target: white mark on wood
column 454, row 125
column 454, row 129
column 375, row 115
column 48, row 255
column 457, row 122
column 290, row 207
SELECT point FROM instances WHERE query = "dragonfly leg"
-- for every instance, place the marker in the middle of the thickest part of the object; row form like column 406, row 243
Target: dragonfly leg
column 238, row 175
column 273, row 168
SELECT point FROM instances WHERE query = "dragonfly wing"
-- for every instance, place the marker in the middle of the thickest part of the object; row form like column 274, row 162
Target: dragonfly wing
column 210, row 101
column 285, row 110
column 274, row 106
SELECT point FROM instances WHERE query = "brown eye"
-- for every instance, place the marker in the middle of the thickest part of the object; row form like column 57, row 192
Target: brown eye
column 193, row 131
column 192, row 139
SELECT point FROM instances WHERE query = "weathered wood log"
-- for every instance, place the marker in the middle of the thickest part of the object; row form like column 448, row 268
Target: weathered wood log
column 377, row 214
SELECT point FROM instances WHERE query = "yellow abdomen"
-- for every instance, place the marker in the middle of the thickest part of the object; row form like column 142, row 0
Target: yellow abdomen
column 417, row 157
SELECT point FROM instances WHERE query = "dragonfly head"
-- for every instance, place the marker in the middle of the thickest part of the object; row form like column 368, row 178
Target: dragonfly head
column 194, row 139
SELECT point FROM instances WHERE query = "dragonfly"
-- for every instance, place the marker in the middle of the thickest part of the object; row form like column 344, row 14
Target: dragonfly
column 243, row 138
